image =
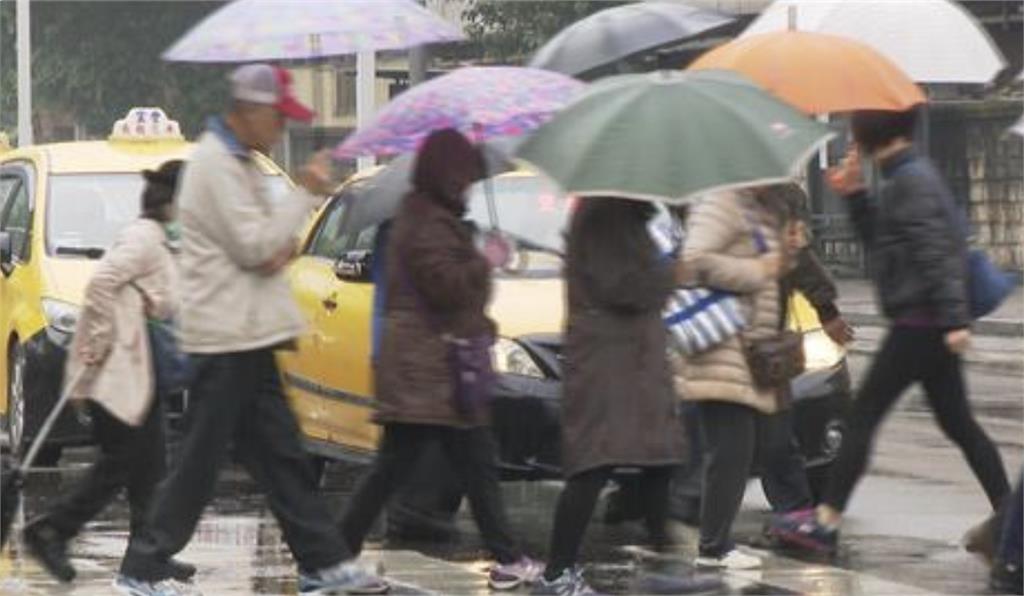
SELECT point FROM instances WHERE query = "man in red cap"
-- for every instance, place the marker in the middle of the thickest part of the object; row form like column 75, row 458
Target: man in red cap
column 237, row 310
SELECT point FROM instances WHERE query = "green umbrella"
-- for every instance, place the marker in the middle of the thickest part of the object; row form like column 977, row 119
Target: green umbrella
column 668, row 136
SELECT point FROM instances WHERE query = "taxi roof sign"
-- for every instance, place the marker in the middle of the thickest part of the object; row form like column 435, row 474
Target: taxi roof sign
column 146, row 124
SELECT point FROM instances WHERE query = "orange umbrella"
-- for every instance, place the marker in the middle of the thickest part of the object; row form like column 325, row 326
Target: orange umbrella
column 816, row 72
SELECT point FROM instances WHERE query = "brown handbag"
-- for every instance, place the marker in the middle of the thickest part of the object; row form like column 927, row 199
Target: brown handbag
column 775, row 361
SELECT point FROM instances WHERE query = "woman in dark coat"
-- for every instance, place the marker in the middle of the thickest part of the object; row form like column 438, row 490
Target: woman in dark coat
column 439, row 285
column 619, row 407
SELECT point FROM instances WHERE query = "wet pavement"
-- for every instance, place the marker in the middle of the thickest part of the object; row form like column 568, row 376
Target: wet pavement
column 901, row 535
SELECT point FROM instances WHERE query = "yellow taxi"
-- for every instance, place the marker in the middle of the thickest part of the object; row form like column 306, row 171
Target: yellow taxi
column 61, row 206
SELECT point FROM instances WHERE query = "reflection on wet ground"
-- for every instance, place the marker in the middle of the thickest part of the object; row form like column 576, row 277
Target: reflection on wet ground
column 239, row 550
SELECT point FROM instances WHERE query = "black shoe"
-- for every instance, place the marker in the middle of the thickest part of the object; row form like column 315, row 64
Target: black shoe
column 1006, row 578
column 50, row 549
column 180, row 570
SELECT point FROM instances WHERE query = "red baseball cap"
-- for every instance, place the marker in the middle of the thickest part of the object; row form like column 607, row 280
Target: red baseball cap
column 269, row 85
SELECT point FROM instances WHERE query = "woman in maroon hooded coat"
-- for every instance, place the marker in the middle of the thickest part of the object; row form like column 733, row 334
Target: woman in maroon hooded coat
column 439, row 285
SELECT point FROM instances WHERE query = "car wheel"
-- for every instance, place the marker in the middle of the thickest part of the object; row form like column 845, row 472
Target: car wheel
column 16, row 399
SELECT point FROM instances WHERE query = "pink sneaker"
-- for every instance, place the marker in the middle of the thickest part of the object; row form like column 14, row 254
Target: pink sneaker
column 509, row 576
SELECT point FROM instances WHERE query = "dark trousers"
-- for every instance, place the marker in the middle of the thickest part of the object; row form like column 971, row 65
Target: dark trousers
column 780, row 464
column 130, row 459
column 734, row 437
column 237, row 399
column 576, row 506
column 474, row 455
column 1011, row 542
column 910, row 355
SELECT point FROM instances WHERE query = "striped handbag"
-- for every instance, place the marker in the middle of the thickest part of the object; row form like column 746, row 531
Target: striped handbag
column 697, row 319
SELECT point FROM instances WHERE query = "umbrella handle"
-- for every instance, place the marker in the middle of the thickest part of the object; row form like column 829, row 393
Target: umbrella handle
column 51, row 419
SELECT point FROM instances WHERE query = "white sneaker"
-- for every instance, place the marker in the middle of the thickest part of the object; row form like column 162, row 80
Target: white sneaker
column 733, row 560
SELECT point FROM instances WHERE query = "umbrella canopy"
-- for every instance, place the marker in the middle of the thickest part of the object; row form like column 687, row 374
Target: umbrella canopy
column 933, row 41
column 256, row 30
column 817, row 73
column 668, row 136
column 616, row 33
column 482, row 102
column 377, row 198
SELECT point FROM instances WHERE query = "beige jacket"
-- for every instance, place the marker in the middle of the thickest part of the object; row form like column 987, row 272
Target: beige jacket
column 230, row 226
column 720, row 249
column 113, row 321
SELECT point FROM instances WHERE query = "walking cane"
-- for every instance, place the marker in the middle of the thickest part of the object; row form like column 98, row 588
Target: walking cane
column 13, row 482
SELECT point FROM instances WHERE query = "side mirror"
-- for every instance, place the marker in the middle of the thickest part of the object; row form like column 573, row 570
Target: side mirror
column 355, row 266
column 6, row 252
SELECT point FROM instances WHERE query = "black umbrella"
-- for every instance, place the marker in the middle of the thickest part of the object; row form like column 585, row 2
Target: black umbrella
column 616, row 33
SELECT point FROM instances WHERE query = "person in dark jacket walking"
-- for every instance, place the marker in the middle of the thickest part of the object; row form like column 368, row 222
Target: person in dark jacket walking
column 439, row 285
column 618, row 407
column 919, row 261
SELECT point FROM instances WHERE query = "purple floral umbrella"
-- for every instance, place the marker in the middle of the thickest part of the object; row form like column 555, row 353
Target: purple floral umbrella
column 257, row 30
column 482, row 102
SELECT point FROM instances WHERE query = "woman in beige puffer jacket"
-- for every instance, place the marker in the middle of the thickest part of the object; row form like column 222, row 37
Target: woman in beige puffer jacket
column 722, row 252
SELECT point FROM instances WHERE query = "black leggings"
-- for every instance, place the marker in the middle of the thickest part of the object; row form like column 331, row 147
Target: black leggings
column 910, row 355
column 474, row 454
column 576, row 506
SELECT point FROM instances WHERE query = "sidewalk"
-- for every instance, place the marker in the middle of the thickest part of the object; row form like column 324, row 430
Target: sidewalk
column 998, row 344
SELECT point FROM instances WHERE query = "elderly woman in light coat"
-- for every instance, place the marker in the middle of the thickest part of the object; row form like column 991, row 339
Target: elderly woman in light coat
column 722, row 250
column 110, row 363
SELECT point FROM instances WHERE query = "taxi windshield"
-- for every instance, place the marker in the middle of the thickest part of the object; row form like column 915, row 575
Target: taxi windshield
column 528, row 207
column 85, row 212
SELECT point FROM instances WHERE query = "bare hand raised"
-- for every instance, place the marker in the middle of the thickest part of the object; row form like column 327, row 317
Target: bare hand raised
column 315, row 176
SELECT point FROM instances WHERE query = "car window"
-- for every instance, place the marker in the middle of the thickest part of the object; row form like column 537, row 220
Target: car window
column 329, row 240
column 7, row 183
column 17, row 214
column 364, row 241
column 87, row 211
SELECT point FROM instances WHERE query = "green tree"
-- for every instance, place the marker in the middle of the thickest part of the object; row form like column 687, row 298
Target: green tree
column 509, row 32
column 96, row 59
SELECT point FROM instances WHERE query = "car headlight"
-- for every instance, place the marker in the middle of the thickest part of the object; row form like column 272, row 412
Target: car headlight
column 820, row 351
column 510, row 357
column 60, row 316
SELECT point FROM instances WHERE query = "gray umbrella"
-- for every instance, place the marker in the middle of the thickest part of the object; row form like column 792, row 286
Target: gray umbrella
column 616, row 33
column 377, row 198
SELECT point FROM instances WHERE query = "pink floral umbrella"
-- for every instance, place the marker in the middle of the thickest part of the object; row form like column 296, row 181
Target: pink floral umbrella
column 481, row 102
column 258, row 30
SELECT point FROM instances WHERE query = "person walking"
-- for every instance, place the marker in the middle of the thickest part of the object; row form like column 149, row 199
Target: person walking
column 237, row 309
column 439, row 285
column 733, row 243
column 779, row 462
column 618, row 407
column 918, row 252
column 135, row 279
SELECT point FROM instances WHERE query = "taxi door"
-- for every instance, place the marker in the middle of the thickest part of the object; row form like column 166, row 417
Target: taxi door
column 329, row 377
column 19, row 282
column 346, row 317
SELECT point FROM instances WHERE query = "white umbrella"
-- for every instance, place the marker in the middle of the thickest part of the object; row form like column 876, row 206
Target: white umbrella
column 933, row 41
